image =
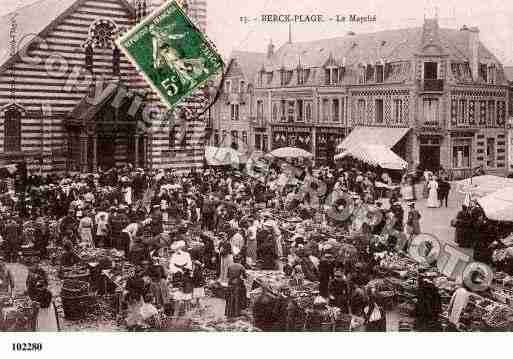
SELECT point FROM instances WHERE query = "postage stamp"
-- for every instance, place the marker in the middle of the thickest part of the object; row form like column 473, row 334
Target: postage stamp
column 172, row 54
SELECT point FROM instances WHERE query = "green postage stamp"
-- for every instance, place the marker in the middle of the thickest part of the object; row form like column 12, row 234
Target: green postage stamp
column 171, row 53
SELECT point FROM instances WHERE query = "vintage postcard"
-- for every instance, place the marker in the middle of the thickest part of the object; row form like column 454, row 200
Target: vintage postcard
column 255, row 166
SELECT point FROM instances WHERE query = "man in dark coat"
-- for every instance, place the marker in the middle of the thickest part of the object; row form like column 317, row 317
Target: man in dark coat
column 12, row 236
column 263, row 311
column 266, row 250
column 444, row 188
column 428, row 307
column 340, row 292
column 326, row 273
column 236, row 300
column 462, row 225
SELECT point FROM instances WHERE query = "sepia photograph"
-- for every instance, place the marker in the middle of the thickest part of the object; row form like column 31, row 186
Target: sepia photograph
column 266, row 166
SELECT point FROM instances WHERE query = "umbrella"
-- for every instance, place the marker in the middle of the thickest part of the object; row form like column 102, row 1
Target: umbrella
column 290, row 152
column 481, row 186
column 498, row 206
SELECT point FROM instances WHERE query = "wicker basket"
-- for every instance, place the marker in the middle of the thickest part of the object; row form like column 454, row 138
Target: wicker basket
column 76, row 300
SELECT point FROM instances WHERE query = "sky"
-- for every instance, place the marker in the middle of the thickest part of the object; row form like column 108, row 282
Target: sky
column 494, row 18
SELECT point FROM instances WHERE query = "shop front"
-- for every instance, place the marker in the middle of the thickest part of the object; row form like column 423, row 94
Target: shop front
column 292, row 136
column 326, row 140
column 430, row 152
column 461, row 153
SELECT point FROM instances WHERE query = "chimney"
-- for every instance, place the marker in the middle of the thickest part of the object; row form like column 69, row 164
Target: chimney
column 270, row 49
column 473, row 45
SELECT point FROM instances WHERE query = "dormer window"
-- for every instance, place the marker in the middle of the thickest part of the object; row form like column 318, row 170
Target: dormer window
column 483, row 73
column 430, row 70
column 380, row 76
column 331, row 75
column 334, row 75
column 288, row 76
column 327, row 76
column 361, row 75
column 491, row 75
column 369, row 73
column 300, row 76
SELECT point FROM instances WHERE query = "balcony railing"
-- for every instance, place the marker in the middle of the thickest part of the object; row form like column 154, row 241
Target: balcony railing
column 432, row 85
column 430, row 126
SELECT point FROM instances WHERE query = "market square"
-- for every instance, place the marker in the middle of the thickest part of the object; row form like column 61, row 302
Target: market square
column 357, row 183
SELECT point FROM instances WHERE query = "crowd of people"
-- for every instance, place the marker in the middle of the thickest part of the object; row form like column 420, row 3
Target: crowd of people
column 222, row 223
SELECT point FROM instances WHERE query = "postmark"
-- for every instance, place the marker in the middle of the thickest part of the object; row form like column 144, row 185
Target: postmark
column 171, row 53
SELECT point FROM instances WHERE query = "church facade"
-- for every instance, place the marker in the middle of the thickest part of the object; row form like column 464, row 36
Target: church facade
column 70, row 100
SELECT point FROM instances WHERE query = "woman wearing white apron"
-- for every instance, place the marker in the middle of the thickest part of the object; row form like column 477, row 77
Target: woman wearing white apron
column 432, row 201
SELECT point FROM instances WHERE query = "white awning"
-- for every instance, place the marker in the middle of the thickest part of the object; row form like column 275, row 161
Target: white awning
column 223, row 156
column 498, row 206
column 385, row 136
column 480, row 186
column 376, row 155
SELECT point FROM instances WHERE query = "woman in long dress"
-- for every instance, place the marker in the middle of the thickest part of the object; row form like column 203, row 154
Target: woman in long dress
column 85, row 230
column 251, row 245
column 432, row 201
column 226, row 259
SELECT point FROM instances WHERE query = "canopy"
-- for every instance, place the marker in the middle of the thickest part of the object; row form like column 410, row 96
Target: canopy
column 290, row 152
column 480, row 186
column 223, row 156
column 385, row 136
column 376, row 155
column 498, row 206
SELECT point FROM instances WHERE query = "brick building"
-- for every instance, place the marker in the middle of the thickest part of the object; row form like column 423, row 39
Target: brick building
column 54, row 55
column 437, row 96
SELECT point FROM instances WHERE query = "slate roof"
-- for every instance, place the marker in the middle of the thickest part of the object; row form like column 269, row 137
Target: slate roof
column 366, row 48
column 250, row 63
column 508, row 73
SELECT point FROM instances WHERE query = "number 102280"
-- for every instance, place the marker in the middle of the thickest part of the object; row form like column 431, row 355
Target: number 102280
column 27, row 347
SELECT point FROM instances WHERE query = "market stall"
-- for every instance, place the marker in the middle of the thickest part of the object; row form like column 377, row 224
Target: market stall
column 481, row 186
column 498, row 205
column 375, row 155
column 223, row 156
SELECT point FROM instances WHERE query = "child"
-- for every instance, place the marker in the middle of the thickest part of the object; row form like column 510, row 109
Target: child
column 187, row 290
column 198, row 282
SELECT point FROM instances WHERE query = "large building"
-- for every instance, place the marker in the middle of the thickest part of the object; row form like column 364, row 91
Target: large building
column 231, row 118
column 435, row 96
column 69, row 100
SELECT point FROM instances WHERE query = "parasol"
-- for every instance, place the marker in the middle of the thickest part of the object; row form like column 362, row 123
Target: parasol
column 290, row 152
